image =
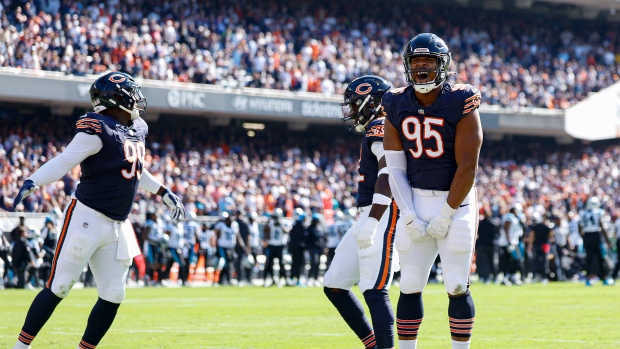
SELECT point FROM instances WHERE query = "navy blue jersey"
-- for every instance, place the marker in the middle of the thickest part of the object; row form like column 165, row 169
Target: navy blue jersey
column 110, row 178
column 427, row 133
column 369, row 164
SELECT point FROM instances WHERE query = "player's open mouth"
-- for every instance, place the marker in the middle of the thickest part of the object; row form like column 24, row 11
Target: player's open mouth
column 423, row 76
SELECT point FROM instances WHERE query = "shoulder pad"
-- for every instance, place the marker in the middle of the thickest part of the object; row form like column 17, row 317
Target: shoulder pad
column 375, row 130
column 89, row 124
column 398, row 90
column 471, row 96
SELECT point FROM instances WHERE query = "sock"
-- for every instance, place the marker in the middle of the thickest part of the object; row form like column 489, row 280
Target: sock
column 461, row 312
column 382, row 315
column 408, row 344
column 409, row 315
column 40, row 311
column 99, row 321
column 20, row 345
column 352, row 312
column 460, row 345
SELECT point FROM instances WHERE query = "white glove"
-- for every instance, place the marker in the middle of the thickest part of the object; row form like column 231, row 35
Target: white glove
column 416, row 228
column 366, row 236
column 438, row 226
column 174, row 204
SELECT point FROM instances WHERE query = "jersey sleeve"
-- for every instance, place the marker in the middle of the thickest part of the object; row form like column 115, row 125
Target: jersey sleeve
column 387, row 102
column 375, row 132
column 470, row 95
column 88, row 124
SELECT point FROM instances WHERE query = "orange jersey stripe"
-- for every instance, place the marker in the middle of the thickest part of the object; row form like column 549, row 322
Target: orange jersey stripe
column 478, row 95
column 61, row 240
column 386, row 267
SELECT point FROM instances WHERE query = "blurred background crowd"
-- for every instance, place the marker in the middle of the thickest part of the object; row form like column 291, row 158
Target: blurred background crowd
column 315, row 173
column 530, row 60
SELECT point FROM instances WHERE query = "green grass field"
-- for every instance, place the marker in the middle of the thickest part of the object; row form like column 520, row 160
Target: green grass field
column 534, row 316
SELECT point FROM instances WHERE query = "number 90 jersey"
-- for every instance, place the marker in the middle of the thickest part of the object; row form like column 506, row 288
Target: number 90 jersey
column 428, row 133
column 110, row 178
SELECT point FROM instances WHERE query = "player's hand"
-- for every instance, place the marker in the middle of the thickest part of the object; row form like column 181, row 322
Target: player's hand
column 27, row 188
column 366, row 236
column 416, row 228
column 174, row 204
column 438, row 226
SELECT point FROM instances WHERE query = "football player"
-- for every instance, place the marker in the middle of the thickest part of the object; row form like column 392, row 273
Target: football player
column 275, row 237
column 365, row 253
column 432, row 143
column 510, row 258
column 227, row 233
column 595, row 242
column 176, row 243
column 109, row 146
column 190, row 234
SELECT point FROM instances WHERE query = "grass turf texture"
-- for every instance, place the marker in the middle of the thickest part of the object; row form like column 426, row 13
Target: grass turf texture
column 535, row 316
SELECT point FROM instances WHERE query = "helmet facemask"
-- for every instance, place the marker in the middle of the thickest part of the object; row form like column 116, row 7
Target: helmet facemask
column 426, row 75
column 359, row 112
column 126, row 97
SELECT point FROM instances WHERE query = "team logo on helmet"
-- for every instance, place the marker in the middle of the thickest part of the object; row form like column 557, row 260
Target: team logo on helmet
column 363, row 89
column 116, row 78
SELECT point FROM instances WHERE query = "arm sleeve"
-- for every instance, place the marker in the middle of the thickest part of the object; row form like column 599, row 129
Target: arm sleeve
column 149, row 183
column 82, row 146
column 399, row 184
column 377, row 149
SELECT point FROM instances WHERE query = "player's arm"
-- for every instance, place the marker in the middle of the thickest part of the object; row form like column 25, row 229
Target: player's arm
column 604, row 232
column 381, row 199
column 396, row 162
column 507, row 225
column 467, row 143
column 152, row 185
column 81, row 146
column 266, row 234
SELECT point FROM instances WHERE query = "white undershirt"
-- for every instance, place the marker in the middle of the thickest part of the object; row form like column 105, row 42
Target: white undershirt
column 81, row 147
column 377, row 149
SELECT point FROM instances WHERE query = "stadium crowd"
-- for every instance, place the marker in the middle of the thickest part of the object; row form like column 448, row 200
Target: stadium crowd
column 534, row 60
column 216, row 170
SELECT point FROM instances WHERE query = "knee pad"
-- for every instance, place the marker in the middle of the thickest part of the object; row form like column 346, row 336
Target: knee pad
column 62, row 284
column 455, row 279
column 411, row 279
column 331, row 279
column 113, row 295
column 460, row 238
column 402, row 241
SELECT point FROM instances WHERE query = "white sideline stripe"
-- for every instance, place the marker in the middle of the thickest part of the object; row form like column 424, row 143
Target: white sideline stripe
column 206, row 331
column 333, row 335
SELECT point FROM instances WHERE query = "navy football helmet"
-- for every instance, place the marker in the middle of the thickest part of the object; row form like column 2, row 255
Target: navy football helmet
column 425, row 80
column 118, row 90
column 362, row 101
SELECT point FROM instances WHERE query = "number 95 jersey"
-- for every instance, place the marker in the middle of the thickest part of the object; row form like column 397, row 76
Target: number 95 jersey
column 428, row 133
column 110, row 178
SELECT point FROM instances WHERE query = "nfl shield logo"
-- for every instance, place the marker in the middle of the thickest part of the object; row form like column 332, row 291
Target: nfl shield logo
column 421, row 111
column 85, row 225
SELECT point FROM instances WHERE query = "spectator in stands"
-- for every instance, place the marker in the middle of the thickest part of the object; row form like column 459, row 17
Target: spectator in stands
column 554, row 63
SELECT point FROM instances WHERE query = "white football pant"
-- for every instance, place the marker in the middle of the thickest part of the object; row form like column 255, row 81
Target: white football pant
column 88, row 236
column 373, row 267
column 456, row 250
